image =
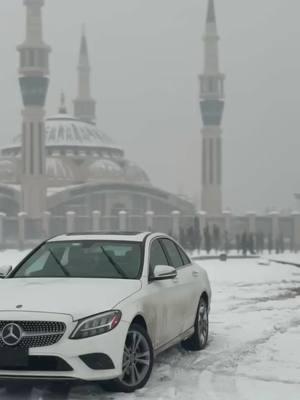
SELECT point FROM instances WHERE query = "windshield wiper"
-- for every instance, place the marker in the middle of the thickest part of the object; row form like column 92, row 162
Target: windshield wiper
column 114, row 264
column 66, row 273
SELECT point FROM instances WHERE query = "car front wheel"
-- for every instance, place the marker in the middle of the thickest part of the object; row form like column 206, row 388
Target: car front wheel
column 200, row 337
column 137, row 362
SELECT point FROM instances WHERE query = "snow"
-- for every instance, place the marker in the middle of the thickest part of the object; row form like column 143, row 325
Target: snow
column 293, row 258
column 254, row 345
column 12, row 257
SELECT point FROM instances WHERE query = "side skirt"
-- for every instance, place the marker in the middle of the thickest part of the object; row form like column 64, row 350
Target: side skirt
column 185, row 335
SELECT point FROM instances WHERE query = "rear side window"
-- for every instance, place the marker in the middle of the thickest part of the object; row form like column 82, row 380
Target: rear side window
column 185, row 259
column 157, row 256
column 173, row 253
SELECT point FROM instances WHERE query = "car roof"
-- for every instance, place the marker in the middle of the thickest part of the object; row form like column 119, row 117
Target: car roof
column 109, row 236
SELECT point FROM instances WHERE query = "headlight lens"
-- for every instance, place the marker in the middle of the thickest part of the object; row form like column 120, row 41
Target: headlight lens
column 96, row 325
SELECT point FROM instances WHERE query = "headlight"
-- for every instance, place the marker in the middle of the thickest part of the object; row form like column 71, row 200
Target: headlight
column 96, row 325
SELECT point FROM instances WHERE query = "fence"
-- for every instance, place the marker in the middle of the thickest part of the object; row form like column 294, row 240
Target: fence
column 227, row 229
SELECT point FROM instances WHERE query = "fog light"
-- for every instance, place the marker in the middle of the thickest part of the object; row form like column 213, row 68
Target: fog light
column 97, row 361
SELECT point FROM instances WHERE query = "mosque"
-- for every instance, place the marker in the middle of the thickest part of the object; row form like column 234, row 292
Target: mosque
column 62, row 173
column 64, row 162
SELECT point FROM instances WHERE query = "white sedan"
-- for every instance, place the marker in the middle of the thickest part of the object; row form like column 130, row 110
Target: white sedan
column 99, row 307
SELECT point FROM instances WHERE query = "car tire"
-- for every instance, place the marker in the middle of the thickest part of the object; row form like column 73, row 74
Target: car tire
column 200, row 337
column 137, row 362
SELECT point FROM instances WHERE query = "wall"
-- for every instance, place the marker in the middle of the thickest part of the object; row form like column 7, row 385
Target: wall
column 21, row 232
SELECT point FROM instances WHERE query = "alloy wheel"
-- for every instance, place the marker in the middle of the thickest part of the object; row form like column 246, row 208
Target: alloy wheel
column 203, row 324
column 136, row 359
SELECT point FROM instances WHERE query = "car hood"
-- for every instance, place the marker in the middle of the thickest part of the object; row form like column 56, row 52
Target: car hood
column 76, row 297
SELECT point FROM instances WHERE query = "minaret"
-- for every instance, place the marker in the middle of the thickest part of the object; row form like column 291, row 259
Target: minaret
column 34, row 71
column 212, row 105
column 84, row 104
column 62, row 108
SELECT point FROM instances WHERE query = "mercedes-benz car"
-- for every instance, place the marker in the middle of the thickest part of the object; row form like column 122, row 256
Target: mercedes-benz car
column 99, row 307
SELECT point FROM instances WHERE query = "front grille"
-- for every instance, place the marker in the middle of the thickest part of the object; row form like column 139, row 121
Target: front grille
column 36, row 333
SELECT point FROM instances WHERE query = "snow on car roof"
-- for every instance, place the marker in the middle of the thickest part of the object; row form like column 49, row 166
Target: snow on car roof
column 121, row 236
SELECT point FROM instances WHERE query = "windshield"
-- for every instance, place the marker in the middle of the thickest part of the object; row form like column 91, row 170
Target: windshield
column 84, row 259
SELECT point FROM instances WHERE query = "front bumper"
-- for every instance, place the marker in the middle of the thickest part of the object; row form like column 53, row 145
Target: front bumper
column 110, row 344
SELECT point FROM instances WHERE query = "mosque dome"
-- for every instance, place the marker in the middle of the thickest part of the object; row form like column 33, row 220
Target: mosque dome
column 77, row 151
column 65, row 130
column 104, row 170
column 60, row 169
column 135, row 173
column 64, row 133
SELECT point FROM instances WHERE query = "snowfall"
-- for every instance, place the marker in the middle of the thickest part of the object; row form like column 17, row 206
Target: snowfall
column 254, row 346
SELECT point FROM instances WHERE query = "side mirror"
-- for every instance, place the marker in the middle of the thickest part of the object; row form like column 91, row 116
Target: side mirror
column 5, row 270
column 164, row 272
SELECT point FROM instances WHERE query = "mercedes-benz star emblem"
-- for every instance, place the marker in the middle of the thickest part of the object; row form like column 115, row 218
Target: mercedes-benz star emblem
column 12, row 334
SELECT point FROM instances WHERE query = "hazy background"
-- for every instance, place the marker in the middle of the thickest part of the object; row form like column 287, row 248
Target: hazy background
column 146, row 56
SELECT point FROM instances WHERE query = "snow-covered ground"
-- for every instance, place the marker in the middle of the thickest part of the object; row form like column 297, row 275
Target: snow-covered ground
column 293, row 258
column 254, row 347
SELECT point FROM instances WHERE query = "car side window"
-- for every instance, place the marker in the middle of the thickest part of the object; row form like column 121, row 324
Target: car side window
column 157, row 257
column 185, row 259
column 173, row 253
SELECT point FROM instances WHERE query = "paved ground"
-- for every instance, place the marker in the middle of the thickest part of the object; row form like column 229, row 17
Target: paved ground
column 254, row 347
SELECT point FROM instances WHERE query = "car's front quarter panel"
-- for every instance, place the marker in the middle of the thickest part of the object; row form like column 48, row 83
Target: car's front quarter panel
column 138, row 305
column 204, row 283
column 156, row 304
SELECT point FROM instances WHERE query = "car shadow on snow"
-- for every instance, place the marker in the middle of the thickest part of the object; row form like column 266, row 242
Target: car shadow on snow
column 20, row 391
column 74, row 391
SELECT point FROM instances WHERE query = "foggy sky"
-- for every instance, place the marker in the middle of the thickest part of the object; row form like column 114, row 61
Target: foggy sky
column 146, row 56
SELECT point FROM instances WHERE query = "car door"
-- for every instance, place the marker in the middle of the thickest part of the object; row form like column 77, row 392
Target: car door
column 193, row 282
column 186, row 298
column 160, row 303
